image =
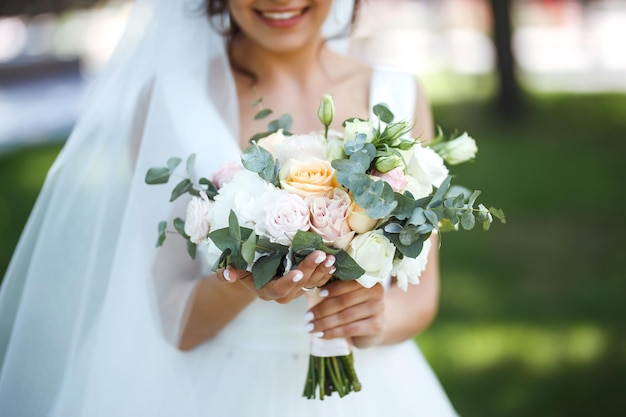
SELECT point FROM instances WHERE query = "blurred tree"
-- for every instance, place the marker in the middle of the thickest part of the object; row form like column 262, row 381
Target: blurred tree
column 34, row 7
column 509, row 92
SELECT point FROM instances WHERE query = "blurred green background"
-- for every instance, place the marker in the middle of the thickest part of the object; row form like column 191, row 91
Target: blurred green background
column 532, row 321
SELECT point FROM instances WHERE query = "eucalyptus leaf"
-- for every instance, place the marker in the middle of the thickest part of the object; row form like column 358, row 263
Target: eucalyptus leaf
column 191, row 249
column 431, row 216
column 405, row 206
column 258, row 136
column 233, row 226
column 413, row 250
column 262, row 114
column 467, row 220
column 347, row 269
column 438, row 196
column 180, row 189
column 498, row 214
column 158, row 175
column 264, row 269
column 172, row 163
column 408, row 236
column 256, row 158
column 383, row 113
column 418, row 217
column 162, row 234
column 473, row 197
column 211, row 189
column 248, row 249
column 179, row 225
column 191, row 163
column 393, row 228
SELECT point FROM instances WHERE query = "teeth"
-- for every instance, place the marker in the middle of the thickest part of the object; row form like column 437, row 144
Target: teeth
column 282, row 15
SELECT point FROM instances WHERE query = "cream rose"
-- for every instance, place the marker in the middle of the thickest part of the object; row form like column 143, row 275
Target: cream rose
column 329, row 217
column 459, row 150
column 197, row 218
column 283, row 215
column 305, row 178
column 354, row 127
column 374, row 253
column 301, row 147
column 425, row 170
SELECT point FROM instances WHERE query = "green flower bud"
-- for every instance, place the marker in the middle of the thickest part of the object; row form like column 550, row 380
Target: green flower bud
column 388, row 162
column 396, row 130
column 326, row 110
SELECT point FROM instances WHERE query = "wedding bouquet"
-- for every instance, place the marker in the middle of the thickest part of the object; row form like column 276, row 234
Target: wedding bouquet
column 368, row 195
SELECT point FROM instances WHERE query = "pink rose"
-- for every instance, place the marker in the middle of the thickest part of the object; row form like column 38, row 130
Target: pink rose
column 197, row 218
column 395, row 178
column 329, row 217
column 285, row 214
column 225, row 174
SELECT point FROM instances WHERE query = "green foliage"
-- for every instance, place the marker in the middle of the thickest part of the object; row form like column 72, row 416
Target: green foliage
column 259, row 160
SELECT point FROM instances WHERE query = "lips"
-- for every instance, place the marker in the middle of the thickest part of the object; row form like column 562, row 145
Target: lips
column 282, row 18
column 284, row 15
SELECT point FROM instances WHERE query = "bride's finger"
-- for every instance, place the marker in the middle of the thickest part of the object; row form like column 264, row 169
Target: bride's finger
column 228, row 274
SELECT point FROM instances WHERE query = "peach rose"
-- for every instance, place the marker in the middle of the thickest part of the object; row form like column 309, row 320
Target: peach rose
column 359, row 221
column 306, row 178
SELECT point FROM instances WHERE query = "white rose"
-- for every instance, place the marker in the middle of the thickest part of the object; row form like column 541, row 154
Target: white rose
column 283, row 215
column 374, row 253
column 354, row 127
column 301, row 147
column 334, row 146
column 425, row 170
column 240, row 195
column 197, row 218
column 408, row 270
column 459, row 150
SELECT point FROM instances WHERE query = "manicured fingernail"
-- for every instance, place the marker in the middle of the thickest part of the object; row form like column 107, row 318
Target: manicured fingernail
column 298, row 276
column 319, row 259
column 318, row 334
column 332, row 271
column 227, row 275
column 329, row 262
column 309, row 327
column 322, row 293
column 309, row 316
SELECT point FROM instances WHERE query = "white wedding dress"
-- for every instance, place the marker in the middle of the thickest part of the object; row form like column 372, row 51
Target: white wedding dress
column 90, row 310
column 257, row 365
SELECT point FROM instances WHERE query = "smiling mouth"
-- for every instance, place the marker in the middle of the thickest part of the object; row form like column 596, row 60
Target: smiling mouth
column 282, row 15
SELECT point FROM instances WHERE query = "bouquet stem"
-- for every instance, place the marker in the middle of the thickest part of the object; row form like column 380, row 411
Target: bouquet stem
column 327, row 375
column 331, row 365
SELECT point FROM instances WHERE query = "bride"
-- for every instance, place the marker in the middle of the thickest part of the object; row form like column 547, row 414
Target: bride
column 95, row 321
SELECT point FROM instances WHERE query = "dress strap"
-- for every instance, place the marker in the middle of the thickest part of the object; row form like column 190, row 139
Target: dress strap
column 396, row 89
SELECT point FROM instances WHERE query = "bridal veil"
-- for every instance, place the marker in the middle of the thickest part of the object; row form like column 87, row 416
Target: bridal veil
column 89, row 308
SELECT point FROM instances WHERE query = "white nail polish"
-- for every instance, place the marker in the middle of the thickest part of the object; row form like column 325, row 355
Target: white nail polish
column 319, row 259
column 227, row 275
column 332, row 271
column 329, row 262
column 309, row 316
column 318, row 334
column 298, row 276
column 322, row 293
column 309, row 327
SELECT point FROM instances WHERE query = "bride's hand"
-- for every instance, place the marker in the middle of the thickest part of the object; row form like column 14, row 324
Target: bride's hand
column 314, row 271
column 349, row 310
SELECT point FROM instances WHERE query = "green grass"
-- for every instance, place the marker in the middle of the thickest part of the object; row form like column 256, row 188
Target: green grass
column 532, row 318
